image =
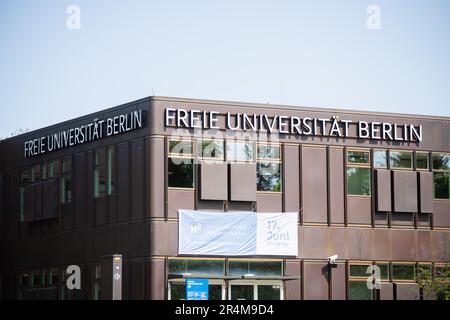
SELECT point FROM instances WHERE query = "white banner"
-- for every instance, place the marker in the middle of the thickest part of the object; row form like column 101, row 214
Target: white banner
column 237, row 233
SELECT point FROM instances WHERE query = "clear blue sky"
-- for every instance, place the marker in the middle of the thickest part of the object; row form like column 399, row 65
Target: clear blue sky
column 310, row 53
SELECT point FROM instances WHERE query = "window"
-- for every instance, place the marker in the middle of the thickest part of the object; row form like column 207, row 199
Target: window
column 66, row 181
column 357, row 283
column 268, row 168
column 240, row 151
column 422, row 162
column 400, row 159
column 403, row 272
column 441, row 175
column 26, row 178
column 384, row 271
column 197, row 266
column 54, row 277
column 100, row 174
column 53, row 170
column 36, row 279
column 358, row 173
column 211, row 149
column 180, row 166
column 255, row 268
column 379, row 159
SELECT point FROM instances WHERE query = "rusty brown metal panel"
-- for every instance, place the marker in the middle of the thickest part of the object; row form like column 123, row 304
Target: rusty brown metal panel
column 439, row 245
column 359, row 210
column 383, row 190
column 157, row 279
column 336, row 181
column 315, row 281
column 164, row 230
column 157, row 176
column 360, row 243
column 314, row 184
column 315, row 239
column 338, row 241
column 441, row 215
column 387, row 291
column 338, row 282
column 423, row 252
column 51, row 199
column 242, row 182
column 137, row 182
column 269, row 202
column 213, row 180
column 293, row 287
column 407, row 291
column 426, row 192
column 405, row 191
column 180, row 199
column 291, row 174
column 403, row 245
column 381, row 244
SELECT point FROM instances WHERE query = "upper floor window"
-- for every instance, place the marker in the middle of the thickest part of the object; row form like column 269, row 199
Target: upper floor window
column 239, row 151
column 211, row 149
column 180, row 163
column 358, row 173
column 100, row 174
column 268, row 168
column 66, row 181
column 422, row 162
column 403, row 271
column 357, row 282
column 380, row 158
column 441, row 175
column 401, row 159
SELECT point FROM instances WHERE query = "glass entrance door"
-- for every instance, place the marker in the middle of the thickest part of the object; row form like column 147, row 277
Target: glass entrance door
column 255, row 290
column 242, row 292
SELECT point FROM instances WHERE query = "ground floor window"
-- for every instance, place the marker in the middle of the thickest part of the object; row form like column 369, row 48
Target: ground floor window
column 255, row 290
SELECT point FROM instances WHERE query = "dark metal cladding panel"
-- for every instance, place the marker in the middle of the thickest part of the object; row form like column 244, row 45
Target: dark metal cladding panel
column 383, row 190
column 123, row 182
column 80, row 183
column 403, row 219
column 242, row 182
column 214, row 180
column 30, row 203
column 315, row 281
column 315, row 241
column 426, row 192
column 163, row 230
column 89, row 189
column 100, row 210
column 137, row 283
column 180, row 199
column 157, row 279
column 293, row 287
column 441, row 215
column 338, row 282
column 403, row 245
column 269, row 202
column 39, row 187
column 381, row 244
column 405, row 191
column 336, row 180
column 359, row 210
column 424, row 250
column 407, row 291
column 314, row 184
column 51, row 199
column 360, row 243
column 137, row 180
column 291, row 174
column 387, row 291
column 157, row 175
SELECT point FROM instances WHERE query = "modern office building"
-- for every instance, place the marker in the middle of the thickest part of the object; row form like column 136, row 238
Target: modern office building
column 372, row 188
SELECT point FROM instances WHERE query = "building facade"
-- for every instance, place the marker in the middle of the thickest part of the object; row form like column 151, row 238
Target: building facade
column 371, row 188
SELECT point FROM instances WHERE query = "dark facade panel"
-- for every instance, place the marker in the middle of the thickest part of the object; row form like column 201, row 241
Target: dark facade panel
column 407, row 291
column 179, row 199
column 269, row 202
column 293, row 289
column 441, row 216
column 338, row 282
column 405, row 191
column 30, row 203
column 39, row 196
column 381, row 244
column 89, row 191
column 157, row 279
column 214, row 180
column 426, row 192
column 123, row 182
column 403, row 245
column 291, row 174
column 315, row 281
column 314, row 185
column 360, row 244
column 137, row 180
column 157, row 173
column 51, row 199
column 402, row 219
column 383, row 190
column 242, row 182
column 336, row 185
column 359, row 210
column 386, row 291
column 80, row 183
column 315, row 242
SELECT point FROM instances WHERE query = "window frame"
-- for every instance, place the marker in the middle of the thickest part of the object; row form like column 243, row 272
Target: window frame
column 433, row 170
column 391, row 167
column 394, row 263
column 386, row 153
column 428, row 160
column 171, row 155
column 367, row 165
column 350, row 278
column 198, row 153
